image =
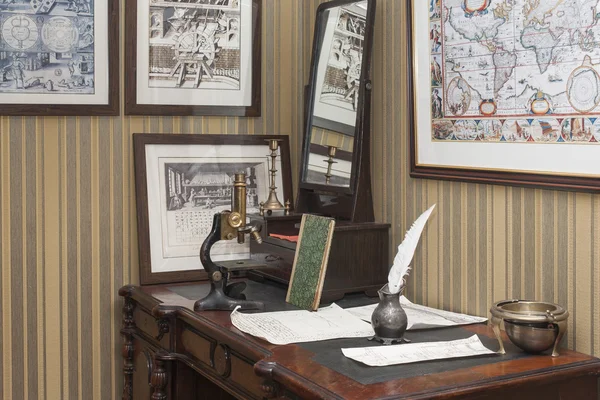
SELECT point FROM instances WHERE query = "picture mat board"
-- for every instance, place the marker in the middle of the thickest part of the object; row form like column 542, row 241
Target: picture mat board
column 147, row 95
column 310, row 262
column 558, row 159
column 166, row 258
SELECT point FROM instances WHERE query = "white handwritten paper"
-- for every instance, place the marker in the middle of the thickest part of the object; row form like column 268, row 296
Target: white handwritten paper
column 381, row 356
column 285, row 327
column 421, row 317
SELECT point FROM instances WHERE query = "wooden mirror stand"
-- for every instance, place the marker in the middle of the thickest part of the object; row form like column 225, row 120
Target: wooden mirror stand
column 338, row 113
column 359, row 254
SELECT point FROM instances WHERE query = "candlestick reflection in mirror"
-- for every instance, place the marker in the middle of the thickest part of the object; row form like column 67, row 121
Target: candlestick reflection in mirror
column 331, row 150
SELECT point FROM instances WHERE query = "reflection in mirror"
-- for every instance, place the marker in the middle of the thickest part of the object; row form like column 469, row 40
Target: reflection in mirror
column 330, row 158
column 336, row 94
column 339, row 68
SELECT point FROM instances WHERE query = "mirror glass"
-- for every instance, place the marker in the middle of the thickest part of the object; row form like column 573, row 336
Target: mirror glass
column 335, row 98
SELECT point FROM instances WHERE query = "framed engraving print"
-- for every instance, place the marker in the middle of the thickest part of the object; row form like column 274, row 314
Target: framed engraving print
column 182, row 181
column 193, row 58
column 59, row 57
column 506, row 92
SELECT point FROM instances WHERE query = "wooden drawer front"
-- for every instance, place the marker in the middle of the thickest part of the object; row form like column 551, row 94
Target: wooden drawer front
column 226, row 367
column 149, row 325
column 272, row 253
column 242, row 375
column 196, row 346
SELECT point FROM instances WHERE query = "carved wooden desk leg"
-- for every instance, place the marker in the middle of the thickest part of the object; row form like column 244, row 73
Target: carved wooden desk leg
column 159, row 377
column 127, row 332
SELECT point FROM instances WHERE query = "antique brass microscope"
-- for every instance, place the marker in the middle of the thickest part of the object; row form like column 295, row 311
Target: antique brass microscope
column 228, row 225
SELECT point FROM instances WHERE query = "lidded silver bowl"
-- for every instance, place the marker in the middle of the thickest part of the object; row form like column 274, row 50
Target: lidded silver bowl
column 533, row 326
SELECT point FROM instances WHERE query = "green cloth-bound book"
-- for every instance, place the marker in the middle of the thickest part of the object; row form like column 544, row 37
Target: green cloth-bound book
column 310, row 262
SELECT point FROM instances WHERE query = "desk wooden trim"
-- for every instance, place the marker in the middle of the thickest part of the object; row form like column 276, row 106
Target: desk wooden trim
column 206, row 343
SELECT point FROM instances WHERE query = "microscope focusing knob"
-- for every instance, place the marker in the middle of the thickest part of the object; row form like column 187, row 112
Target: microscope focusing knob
column 235, row 220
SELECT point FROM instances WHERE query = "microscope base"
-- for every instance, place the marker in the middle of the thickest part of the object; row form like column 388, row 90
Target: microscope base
column 226, row 298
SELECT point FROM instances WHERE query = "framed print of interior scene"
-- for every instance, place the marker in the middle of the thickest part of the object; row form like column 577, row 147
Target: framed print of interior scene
column 502, row 102
column 59, row 57
column 193, row 58
column 182, row 181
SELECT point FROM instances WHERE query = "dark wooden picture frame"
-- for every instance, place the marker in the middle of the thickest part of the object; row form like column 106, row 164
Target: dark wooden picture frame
column 76, row 109
column 132, row 107
column 536, row 179
column 140, row 142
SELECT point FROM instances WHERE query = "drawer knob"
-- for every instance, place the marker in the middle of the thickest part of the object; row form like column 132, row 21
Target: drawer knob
column 222, row 360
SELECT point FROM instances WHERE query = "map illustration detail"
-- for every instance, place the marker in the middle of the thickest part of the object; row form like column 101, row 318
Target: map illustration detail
column 531, row 66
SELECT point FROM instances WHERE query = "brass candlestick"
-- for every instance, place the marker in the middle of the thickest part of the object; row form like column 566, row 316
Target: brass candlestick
column 273, row 202
column 331, row 150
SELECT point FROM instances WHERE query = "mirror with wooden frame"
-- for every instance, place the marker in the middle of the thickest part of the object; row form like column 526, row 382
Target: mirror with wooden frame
column 337, row 134
column 335, row 171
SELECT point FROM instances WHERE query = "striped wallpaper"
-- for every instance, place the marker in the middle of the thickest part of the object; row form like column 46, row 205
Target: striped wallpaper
column 68, row 233
column 325, row 137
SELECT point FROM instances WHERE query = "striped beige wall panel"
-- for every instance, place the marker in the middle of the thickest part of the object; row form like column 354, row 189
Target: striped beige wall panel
column 68, row 220
column 68, row 223
column 325, row 137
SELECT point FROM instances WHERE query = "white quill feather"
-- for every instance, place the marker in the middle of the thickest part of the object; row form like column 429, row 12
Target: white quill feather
column 406, row 250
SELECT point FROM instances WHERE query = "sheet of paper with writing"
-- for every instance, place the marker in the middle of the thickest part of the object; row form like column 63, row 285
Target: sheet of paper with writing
column 285, row 327
column 421, row 317
column 415, row 352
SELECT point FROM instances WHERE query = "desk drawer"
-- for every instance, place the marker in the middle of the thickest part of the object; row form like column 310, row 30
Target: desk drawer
column 222, row 365
column 272, row 253
column 196, row 346
column 279, row 261
column 243, row 376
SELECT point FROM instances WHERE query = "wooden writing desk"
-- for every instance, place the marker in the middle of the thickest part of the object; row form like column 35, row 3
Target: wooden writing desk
column 172, row 352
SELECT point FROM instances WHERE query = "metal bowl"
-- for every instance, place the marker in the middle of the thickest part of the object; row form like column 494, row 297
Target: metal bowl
column 533, row 326
column 531, row 338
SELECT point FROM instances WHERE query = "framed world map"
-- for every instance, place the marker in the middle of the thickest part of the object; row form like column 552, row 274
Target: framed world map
column 506, row 91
